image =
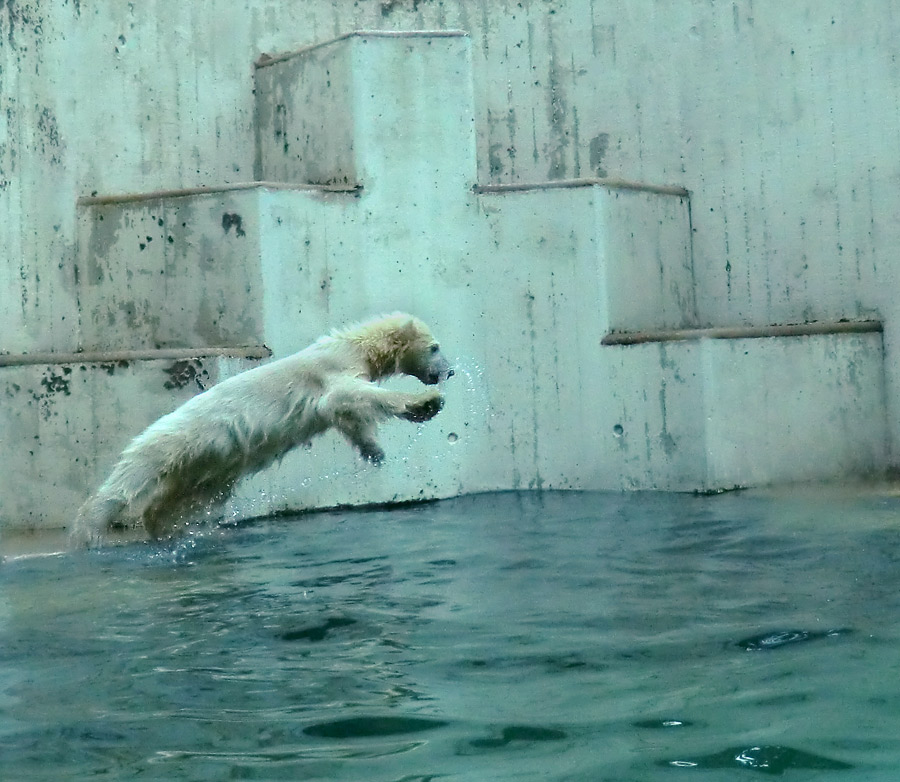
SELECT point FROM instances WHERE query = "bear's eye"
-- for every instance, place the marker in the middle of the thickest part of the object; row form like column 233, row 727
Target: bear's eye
column 435, row 348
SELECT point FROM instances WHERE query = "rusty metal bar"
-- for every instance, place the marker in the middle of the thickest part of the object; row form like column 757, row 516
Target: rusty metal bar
column 744, row 332
column 609, row 183
column 114, row 356
column 155, row 195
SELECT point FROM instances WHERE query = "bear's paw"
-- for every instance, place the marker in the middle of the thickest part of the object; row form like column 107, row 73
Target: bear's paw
column 424, row 408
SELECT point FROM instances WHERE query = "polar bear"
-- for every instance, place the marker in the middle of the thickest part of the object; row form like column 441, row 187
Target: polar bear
column 188, row 461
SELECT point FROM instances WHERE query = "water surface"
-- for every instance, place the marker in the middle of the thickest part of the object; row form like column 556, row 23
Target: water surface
column 581, row 637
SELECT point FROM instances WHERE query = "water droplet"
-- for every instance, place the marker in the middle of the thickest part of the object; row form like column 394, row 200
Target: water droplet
column 452, row 437
column 618, row 431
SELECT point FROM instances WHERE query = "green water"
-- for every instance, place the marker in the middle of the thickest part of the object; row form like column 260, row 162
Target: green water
column 564, row 636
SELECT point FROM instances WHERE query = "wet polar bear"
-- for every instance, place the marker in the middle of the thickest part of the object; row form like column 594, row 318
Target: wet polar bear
column 189, row 460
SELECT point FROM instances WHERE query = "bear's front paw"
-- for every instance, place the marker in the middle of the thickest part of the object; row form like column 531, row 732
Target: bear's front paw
column 372, row 453
column 424, row 409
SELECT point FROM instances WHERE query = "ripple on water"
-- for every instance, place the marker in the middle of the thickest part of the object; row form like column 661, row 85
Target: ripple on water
column 371, row 725
column 770, row 759
column 511, row 734
column 318, row 632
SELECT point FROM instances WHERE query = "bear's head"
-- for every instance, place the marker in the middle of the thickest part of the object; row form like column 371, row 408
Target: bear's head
column 421, row 354
column 401, row 343
column 427, row 363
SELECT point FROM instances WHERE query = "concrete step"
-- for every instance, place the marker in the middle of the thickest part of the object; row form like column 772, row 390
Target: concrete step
column 66, row 418
column 164, row 270
column 392, row 113
column 172, row 269
column 394, row 108
column 715, row 409
column 632, row 240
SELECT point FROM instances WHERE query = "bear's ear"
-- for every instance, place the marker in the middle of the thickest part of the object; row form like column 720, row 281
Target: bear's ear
column 409, row 330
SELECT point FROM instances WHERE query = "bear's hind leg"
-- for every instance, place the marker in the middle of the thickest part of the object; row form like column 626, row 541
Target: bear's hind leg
column 95, row 518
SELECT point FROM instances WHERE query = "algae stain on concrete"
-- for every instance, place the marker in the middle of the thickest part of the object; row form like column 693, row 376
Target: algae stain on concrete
column 599, row 146
column 184, row 373
column 232, row 220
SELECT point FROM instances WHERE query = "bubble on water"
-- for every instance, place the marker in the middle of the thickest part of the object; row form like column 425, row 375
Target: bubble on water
column 452, row 437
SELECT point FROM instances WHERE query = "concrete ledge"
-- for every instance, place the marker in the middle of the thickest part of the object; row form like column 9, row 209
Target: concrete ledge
column 745, row 332
column 254, row 352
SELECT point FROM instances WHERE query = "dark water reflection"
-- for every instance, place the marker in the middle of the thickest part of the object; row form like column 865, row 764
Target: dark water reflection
column 561, row 636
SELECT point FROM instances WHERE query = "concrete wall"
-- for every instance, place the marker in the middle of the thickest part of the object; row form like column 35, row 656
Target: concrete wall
column 779, row 117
